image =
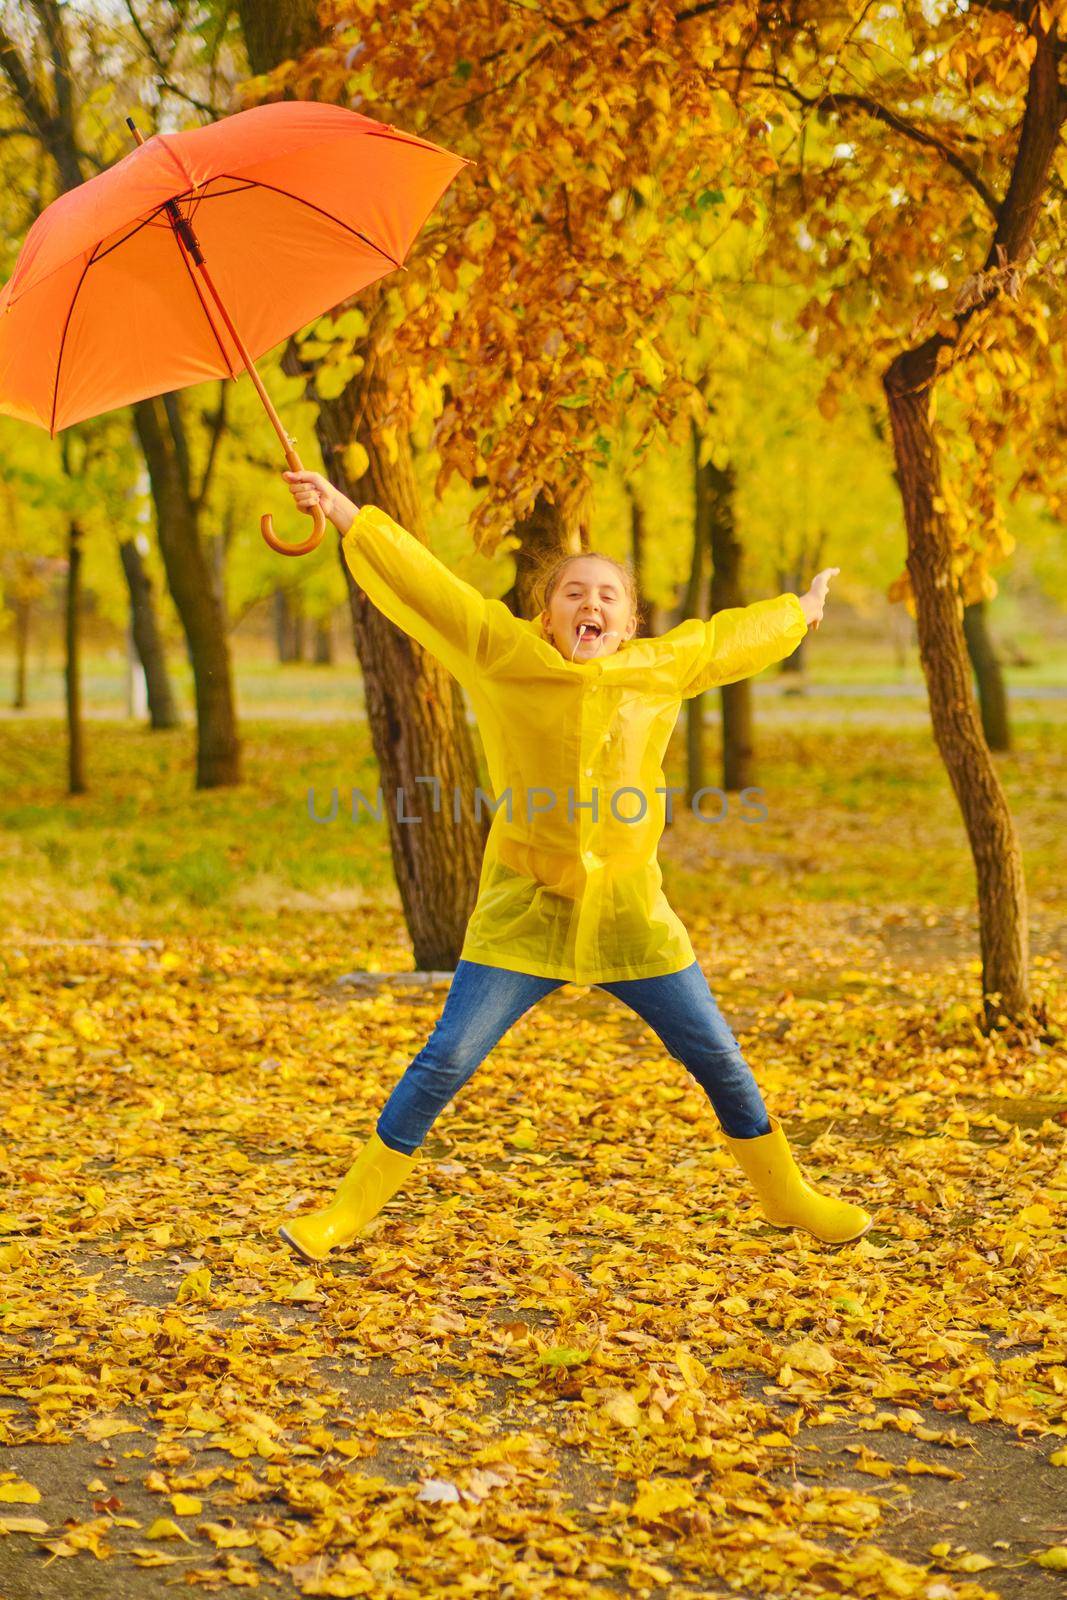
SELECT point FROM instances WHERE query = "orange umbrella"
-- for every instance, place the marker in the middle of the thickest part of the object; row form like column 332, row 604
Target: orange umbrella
column 200, row 250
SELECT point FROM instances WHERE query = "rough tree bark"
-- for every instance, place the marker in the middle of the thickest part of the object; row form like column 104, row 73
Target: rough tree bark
column 738, row 755
column 992, row 693
column 218, row 751
column 415, row 708
column 695, row 604
column 909, row 383
column 544, row 533
column 147, row 639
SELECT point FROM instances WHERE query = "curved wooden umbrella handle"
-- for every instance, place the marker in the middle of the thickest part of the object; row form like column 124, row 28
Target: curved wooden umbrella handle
column 314, row 539
column 317, row 515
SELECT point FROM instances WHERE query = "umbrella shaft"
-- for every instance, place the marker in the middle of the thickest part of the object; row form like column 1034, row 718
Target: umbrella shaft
column 250, row 368
column 183, row 228
column 184, row 232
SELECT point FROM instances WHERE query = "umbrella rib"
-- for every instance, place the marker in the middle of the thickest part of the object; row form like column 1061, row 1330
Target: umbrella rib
column 215, row 194
column 203, row 305
column 273, row 187
column 235, row 178
column 63, row 341
column 92, row 261
column 251, row 183
column 412, row 140
column 125, row 237
column 36, row 284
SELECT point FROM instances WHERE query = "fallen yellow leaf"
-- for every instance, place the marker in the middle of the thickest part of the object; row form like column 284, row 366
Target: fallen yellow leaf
column 166, row 1528
column 655, row 1500
column 19, row 1492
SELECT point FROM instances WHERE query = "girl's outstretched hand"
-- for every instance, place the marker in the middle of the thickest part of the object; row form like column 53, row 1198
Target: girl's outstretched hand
column 311, row 488
column 815, row 599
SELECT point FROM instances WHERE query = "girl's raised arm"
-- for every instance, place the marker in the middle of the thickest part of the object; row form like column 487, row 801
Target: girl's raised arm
column 400, row 575
column 736, row 643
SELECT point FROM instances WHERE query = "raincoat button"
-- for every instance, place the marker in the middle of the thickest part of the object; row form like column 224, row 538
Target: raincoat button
column 589, row 772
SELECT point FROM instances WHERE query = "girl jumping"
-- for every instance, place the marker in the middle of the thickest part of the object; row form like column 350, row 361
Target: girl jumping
column 575, row 715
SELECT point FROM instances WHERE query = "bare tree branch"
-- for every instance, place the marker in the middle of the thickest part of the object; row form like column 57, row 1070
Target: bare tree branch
column 62, row 81
column 163, row 68
column 835, row 102
column 55, row 134
column 1039, row 132
column 172, row 407
column 278, row 586
column 29, row 96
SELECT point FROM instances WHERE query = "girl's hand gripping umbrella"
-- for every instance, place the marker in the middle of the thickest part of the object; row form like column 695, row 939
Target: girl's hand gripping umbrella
column 116, row 296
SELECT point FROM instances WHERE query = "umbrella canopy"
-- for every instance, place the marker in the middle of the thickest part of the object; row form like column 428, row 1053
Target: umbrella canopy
column 296, row 206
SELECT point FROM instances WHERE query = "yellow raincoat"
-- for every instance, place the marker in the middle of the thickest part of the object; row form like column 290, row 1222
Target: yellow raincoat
column 570, row 885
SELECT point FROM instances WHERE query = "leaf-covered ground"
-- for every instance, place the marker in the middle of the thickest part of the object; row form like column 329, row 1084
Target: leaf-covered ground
column 569, row 1358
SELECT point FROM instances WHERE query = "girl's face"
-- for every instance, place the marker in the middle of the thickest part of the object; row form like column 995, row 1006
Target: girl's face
column 590, row 591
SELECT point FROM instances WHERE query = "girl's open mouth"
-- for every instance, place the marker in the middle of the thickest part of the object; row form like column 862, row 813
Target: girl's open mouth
column 588, row 630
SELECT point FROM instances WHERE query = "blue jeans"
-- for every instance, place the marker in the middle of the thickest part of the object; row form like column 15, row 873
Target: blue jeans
column 483, row 1002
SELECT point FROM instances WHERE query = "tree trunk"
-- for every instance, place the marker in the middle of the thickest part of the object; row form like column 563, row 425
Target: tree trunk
column 278, row 30
column 323, row 642
column 22, row 648
column 649, row 625
column 76, row 783
column 992, row 695
column 695, row 604
column 543, row 534
column 215, row 556
column 290, row 626
column 283, row 627
column 719, row 488
column 299, row 631
column 942, row 652
column 415, row 708
column 794, row 663
column 417, row 716
column 55, row 126
column 218, row 752
column 147, row 638
column 908, row 382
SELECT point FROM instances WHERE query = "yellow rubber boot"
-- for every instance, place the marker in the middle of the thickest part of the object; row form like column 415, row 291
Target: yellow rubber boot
column 786, row 1198
column 377, row 1174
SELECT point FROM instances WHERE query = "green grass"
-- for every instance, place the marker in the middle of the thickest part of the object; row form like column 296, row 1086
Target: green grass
column 303, row 691
column 143, row 851
column 855, row 814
